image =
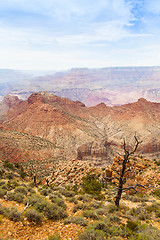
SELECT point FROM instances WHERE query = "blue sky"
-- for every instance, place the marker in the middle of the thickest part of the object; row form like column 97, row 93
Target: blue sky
column 61, row 34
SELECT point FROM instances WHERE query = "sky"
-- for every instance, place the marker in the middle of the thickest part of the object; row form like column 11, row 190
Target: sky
column 64, row 34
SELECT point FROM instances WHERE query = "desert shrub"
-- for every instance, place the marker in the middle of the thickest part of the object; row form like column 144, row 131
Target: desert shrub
column 111, row 208
column 132, row 227
column 2, row 182
column 90, row 214
column 146, row 232
column 143, row 216
column 31, row 190
column 92, row 234
column 67, row 193
column 4, row 211
column 41, row 205
column 2, row 192
column 52, row 211
column 72, row 200
column 84, row 198
column 54, row 237
column 77, row 220
column 91, row 185
column 59, row 201
column 33, row 199
column 12, row 184
column 156, row 192
column 10, row 175
column 157, row 162
column 14, row 215
column 152, row 208
column 9, row 165
column 21, row 189
column 18, row 197
column 79, row 206
column 23, row 174
column 114, row 218
column 33, row 216
column 45, row 192
column 101, row 211
column 10, row 196
column 95, row 204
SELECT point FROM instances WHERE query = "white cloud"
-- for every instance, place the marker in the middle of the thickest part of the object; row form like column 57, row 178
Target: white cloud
column 64, row 33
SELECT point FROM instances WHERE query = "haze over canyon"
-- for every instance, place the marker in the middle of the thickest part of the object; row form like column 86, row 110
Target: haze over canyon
column 112, row 86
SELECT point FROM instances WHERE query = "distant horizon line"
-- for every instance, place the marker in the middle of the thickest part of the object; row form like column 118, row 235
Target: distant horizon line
column 74, row 68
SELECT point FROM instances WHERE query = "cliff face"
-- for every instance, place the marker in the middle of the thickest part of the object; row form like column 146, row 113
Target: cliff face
column 93, row 134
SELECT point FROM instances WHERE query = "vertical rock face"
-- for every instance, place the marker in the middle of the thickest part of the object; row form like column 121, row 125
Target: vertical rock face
column 93, row 134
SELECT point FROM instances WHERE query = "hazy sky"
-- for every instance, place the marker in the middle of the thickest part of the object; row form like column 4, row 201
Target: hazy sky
column 61, row 34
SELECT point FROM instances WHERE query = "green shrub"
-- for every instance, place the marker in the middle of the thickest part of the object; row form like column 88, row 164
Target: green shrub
column 95, row 204
column 54, row 237
column 60, row 202
column 23, row 174
column 33, row 199
column 10, row 196
column 2, row 183
column 18, row 197
column 67, row 193
column 4, row 211
column 156, row 192
column 52, row 211
column 14, row 215
column 31, row 190
column 92, row 235
column 146, row 232
column 41, row 205
column 79, row 206
column 152, row 208
column 91, row 185
column 77, row 220
column 111, row 208
column 21, row 189
column 90, row 214
column 2, row 192
column 84, row 198
column 72, row 200
column 12, row 184
column 132, row 227
column 33, row 216
column 9, row 165
column 45, row 192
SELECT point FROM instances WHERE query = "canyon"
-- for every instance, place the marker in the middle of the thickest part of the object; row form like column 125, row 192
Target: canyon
column 111, row 85
column 46, row 128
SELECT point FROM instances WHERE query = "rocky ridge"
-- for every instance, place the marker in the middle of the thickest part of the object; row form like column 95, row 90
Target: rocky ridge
column 93, row 134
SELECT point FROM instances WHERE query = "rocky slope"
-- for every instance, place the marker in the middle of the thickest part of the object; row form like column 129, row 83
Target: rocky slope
column 94, row 134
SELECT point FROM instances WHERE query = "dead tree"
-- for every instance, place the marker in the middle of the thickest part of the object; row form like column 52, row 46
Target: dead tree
column 121, row 175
